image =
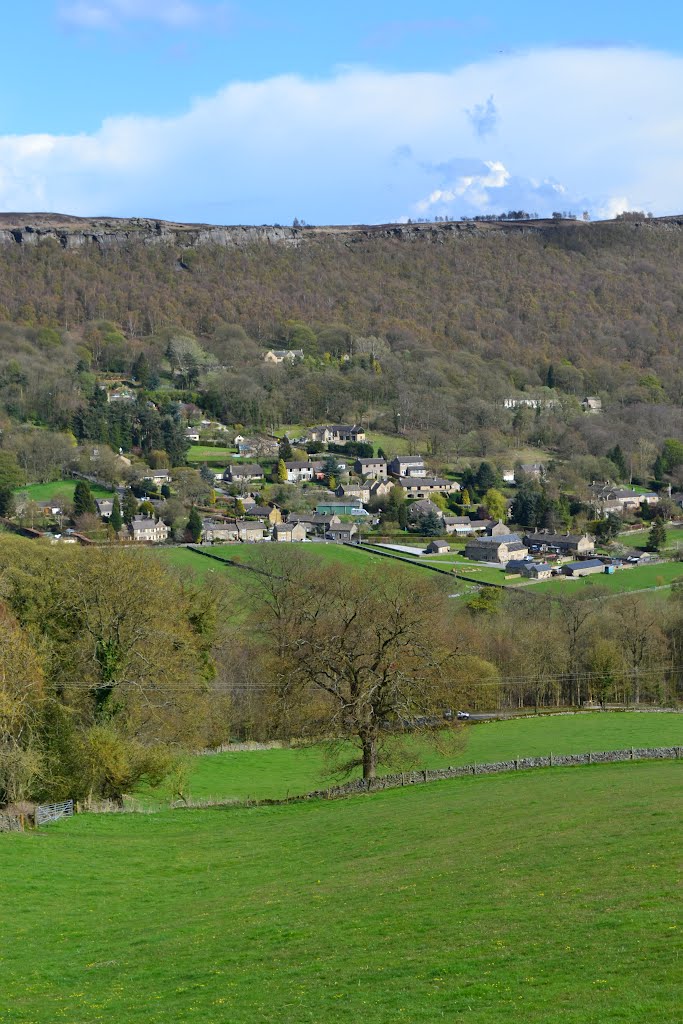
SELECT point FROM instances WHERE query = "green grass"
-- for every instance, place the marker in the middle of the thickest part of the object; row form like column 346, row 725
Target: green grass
column 198, row 453
column 247, row 554
column 59, row 489
column 674, row 536
column 623, row 581
column 543, row 898
column 273, row 774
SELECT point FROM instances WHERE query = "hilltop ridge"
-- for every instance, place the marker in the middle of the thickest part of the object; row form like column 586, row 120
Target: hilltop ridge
column 72, row 232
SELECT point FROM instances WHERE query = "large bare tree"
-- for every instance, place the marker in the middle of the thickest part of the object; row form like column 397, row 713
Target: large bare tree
column 369, row 655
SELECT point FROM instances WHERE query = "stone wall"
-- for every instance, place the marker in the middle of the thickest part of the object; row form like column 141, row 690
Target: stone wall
column 416, row 778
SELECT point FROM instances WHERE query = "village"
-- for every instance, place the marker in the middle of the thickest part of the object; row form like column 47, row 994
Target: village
column 331, row 484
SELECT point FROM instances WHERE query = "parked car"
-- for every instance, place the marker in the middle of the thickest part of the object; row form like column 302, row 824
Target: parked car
column 463, row 714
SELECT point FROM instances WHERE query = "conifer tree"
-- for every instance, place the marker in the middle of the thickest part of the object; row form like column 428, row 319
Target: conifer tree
column 84, row 503
column 116, row 519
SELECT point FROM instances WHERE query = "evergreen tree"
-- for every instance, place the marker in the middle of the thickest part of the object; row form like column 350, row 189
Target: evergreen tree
column 658, row 469
column 550, row 376
column 656, row 538
column 116, row 519
column 84, row 503
column 194, row 525
column 281, row 472
column 486, row 478
column 6, row 502
column 430, row 525
column 285, row 450
column 206, row 474
column 402, row 516
column 129, row 506
column 465, row 498
column 616, row 456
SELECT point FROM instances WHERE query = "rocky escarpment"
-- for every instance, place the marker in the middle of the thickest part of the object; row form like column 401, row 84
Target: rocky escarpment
column 29, row 229
column 74, row 232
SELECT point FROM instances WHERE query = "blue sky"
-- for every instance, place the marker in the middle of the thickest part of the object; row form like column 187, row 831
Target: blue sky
column 227, row 112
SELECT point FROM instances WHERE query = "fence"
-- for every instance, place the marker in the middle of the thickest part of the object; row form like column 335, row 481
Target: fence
column 53, row 812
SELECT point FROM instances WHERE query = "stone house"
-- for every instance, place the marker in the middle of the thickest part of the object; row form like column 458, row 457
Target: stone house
column 157, row 476
column 537, row 570
column 380, row 488
column 407, row 465
column 607, row 497
column 269, row 512
column 422, row 487
column 500, row 547
column 283, row 355
column 417, row 509
column 438, row 547
column 375, row 469
column 144, row 528
column 565, row 543
column 360, row 491
column 592, row 404
column 314, row 522
column 244, row 472
column 215, row 531
column 250, row 532
column 289, row 532
column 105, row 507
column 337, row 433
column 298, row 472
column 341, row 533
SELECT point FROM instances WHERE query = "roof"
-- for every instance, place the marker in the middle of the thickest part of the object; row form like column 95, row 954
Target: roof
column 248, row 468
column 588, row 563
column 306, row 464
column 505, row 538
column 410, row 459
column 555, row 538
column 426, row 481
column 371, row 462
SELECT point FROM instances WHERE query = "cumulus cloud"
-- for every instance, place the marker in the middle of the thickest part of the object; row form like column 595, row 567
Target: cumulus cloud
column 113, row 14
column 581, row 129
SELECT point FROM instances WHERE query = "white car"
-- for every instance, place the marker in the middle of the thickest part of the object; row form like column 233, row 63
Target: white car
column 462, row 715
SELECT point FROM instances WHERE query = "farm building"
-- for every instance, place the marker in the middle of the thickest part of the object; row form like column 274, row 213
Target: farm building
column 587, row 568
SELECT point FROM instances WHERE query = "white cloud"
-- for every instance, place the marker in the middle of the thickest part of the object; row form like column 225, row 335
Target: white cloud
column 112, row 14
column 595, row 129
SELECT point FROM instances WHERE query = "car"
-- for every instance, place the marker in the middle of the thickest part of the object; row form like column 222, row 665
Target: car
column 462, row 715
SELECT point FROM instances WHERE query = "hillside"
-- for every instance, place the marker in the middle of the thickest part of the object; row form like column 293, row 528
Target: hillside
column 419, row 330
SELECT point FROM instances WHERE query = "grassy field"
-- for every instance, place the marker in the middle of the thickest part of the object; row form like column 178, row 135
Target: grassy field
column 62, row 490
column 674, row 537
column 247, row 554
column 274, row 774
column 623, row 581
column 543, row 898
column 211, row 454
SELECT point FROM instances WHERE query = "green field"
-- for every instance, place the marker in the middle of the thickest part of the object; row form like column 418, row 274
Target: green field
column 59, row 489
column 274, row 774
column 247, row 554
column 674, row 538
column 623, row 581
column 209, row 453
column 543, row 898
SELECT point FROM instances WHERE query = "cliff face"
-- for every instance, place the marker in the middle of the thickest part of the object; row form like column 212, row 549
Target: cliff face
column 29, row 229
column 74, row 232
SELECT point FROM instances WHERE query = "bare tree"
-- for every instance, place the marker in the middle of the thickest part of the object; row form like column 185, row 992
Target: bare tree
column 368, row 656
